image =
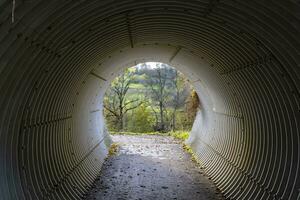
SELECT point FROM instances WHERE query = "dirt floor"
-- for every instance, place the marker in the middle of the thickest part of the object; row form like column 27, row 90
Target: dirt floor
column 151, row 167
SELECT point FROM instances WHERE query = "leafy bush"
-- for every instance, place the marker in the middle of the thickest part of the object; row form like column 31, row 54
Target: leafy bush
column 181, row 135
column 142, row 120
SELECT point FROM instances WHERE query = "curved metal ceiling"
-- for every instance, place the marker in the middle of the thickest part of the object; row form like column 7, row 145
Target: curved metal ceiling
column 57, row 58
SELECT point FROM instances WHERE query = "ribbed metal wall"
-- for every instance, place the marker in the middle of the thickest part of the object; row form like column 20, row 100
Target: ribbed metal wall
column 52, row 79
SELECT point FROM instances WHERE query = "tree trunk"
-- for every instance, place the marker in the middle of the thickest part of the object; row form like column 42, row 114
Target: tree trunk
column 121, row 118
column 162, row 123
column 174, row 120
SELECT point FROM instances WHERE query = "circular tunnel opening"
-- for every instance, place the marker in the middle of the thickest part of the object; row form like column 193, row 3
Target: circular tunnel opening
column 149, row 110
column 150, row 97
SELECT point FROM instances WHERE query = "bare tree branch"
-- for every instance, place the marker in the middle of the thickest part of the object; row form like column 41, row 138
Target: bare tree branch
column 130, row 102
column 111, row 111
column 126, row 110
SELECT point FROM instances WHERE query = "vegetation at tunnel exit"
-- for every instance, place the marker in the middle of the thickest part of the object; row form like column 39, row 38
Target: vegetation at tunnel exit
column 114, row 148
column 153, row 98
column 181, row 135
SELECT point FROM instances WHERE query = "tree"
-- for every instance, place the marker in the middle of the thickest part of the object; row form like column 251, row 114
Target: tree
column 157, row 83
column 179, row 96
column 142, row 119
column 149, row 98
column 115, row 101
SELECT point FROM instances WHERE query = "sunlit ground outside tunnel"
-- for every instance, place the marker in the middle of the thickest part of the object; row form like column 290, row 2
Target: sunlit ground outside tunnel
column 150, row 109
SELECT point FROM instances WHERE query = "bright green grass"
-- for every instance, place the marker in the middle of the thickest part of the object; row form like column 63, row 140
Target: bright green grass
column 137, row 86
column 181, row 135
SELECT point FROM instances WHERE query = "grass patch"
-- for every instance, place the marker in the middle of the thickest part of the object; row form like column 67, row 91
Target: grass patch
column 137, row 86
column 181, row 135
column 194, row 158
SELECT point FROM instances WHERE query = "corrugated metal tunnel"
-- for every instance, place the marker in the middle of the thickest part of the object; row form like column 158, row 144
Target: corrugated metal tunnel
column 58, row 57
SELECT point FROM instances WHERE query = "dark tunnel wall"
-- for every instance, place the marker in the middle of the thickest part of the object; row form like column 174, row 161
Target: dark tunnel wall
column 58, row 57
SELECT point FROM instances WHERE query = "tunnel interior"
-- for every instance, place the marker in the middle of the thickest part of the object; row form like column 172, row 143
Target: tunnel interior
column 57, row 58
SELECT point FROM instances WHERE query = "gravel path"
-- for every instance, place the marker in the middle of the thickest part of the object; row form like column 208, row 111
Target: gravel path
column 151, row 167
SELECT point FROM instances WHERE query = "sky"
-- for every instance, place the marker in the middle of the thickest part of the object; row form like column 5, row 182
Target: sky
column 151, row 65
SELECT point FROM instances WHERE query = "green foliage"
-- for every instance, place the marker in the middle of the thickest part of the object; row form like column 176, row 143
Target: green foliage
column 145, row 100
column 181, row 135
column 141, row 120
column 194, row 157
column 113, row 150
column 137, row 86
column 184, row 121
column 116, row 101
